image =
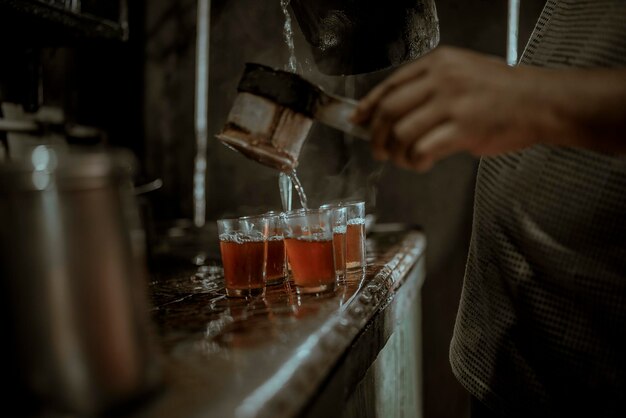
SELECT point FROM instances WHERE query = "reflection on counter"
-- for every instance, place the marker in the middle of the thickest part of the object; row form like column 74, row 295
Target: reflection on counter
column 269, row 355
column 196, row 302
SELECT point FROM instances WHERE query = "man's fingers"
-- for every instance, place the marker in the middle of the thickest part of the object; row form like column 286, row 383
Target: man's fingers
column 410, row 129
column 392, row 108
column 440, row 142
column 370, row 102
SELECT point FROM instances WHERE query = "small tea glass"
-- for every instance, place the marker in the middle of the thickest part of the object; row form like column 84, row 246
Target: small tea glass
column 309, row 245
column 338, row 219
column 355, row 234
column 276, row 257
column 243, row 247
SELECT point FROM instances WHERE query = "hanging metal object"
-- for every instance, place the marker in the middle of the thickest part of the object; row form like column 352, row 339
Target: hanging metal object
column 353, row 37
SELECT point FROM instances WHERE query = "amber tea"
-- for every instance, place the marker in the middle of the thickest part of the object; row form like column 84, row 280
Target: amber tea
column 355, row 233
column 309, row 246
column 275, row 267
column 355, row 244
column 312, row 262
column 275, row 264
column 243, row 266
column 339, row 246
column 338, row 218
column 243, row 245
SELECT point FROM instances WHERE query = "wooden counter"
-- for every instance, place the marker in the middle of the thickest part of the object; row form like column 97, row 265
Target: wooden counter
column 355, row 352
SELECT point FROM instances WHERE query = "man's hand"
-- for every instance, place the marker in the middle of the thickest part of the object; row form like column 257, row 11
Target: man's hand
column 453, row 100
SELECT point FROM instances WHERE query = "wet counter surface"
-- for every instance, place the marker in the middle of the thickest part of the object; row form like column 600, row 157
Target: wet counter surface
column 271, row 356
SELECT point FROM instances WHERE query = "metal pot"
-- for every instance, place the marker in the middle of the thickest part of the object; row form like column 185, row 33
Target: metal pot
column 353, row 37
column 273, row 112
column 74, row 295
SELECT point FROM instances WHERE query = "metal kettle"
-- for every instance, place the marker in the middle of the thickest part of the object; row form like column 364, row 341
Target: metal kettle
column 354, row 37
column 74, row 289
column 274, row 111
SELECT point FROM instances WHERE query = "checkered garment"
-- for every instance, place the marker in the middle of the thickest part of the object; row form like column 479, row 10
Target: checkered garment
column 541, row 328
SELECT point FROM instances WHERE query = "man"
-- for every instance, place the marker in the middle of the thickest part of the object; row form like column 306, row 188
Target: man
column 541, row 328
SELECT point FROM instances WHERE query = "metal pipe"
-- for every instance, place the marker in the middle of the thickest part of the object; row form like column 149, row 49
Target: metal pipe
column 201, row 111
column 512, row 32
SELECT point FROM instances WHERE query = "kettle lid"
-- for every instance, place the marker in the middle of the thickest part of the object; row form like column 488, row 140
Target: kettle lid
column 45, row 166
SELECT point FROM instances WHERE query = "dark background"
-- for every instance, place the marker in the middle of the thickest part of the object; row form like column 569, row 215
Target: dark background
column 141, row 92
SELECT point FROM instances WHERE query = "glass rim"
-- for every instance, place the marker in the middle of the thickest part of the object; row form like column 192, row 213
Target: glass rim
column 334, row 208
column 342, row 204
column 250, row 217
column 303, row 212
column 227, row 220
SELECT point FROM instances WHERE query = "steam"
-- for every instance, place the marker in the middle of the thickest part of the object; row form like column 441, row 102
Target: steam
column 332, row 166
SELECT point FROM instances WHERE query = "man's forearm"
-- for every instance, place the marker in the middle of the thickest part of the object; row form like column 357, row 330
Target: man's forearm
column 587, row 109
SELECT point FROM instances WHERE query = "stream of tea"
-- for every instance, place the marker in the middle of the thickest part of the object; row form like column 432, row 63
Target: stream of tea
column 288, row 180
column 292, row 64
column 298, row 186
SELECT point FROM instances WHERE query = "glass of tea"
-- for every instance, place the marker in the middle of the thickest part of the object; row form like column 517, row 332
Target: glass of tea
column 338, row 219
column 275, row 266
column 243, row 246
column 355, row 234
column 309, row 244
